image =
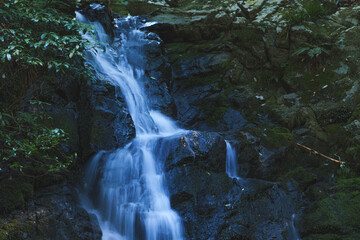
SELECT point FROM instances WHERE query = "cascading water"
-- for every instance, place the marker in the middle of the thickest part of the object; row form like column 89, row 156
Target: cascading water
column 125, row 188
column 293, row 233
column 231, row 165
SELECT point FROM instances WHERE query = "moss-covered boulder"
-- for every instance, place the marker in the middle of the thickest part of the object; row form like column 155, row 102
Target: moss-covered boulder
column 276, row 137
column 53, row 213
column 300, row 177
column 15, row 230
column 338, row 214
column 14, row 193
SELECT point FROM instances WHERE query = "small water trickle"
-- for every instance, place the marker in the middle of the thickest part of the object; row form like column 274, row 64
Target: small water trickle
column 293, row 233
column 231, row 161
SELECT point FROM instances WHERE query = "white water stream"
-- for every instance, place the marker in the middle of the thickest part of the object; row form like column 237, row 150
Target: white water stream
column 231, row 161
column 125, row 189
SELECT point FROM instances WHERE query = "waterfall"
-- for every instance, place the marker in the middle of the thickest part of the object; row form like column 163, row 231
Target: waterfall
column 293, row 233
column 231, row 165
column 125, row 188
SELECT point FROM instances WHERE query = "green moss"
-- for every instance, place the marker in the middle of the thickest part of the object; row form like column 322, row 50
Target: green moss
column 298, row 76
column 13, row 194
column 352, row 37
column 315, row 9
column 312, row 10
column 278, row 137
column 294, row 16
column 269, row 77
column 301, row 177
column 336, row 134
column 214, row 108
column 352, row 156
column 195, row 81
column 348, row 185
column 198, row 4
column 16, row 230
column 3, row 234
column 323, row 218
column 324, row 237
column 336, row 114
column 247, row 36
column 181, row 51
column 339, row 213
column 356, row 114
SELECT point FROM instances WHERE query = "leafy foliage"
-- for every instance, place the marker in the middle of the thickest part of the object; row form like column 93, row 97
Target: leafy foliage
column 28, row 143
column 36, row 35
column 311, row 10
column 40, row 42
column 313, row 55
column 40, row 45
column 312, row 51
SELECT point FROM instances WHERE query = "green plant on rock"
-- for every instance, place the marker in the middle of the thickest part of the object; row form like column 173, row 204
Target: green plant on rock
column 313, row 54
column 28, row 143
column 315, row 9
column 310, row 10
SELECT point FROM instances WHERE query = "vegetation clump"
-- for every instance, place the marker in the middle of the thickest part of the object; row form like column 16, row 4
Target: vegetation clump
column 41, row 46
column 278, row 137
column 300, row 176
column 14, row 193
column 310, row 10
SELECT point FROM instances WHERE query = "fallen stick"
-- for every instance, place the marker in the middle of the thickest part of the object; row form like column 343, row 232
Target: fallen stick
column 317, row 153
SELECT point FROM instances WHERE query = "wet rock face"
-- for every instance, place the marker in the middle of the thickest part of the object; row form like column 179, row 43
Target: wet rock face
column 195, row 148
column 214, row 206
column 157, row 75
column 52, row 214
column 105, row 122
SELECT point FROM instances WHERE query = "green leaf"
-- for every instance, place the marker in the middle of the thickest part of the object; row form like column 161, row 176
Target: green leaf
column 300, row 51
column 8, row 56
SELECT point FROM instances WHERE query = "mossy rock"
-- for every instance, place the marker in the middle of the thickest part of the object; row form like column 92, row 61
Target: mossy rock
column 335, row 114
column 282, row 114
column 278, row 137
column 356, row 113
column 300, row 75
column 339, row 213
column 300, row 176
column 16, row 230
column 348, row 185
column 323, row 218
column 336, row 134
column 3, row 234
column 134, row 8
column 324, row 237
column 246, row 36
column 215, row 108
column 14, row 194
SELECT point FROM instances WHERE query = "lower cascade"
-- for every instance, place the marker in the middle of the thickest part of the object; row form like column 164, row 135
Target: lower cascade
column 126, row 188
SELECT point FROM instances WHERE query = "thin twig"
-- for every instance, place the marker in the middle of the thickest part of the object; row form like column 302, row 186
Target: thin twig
column 318, row 153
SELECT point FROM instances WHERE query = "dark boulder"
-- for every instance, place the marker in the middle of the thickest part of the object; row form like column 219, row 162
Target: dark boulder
column 53, row 214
